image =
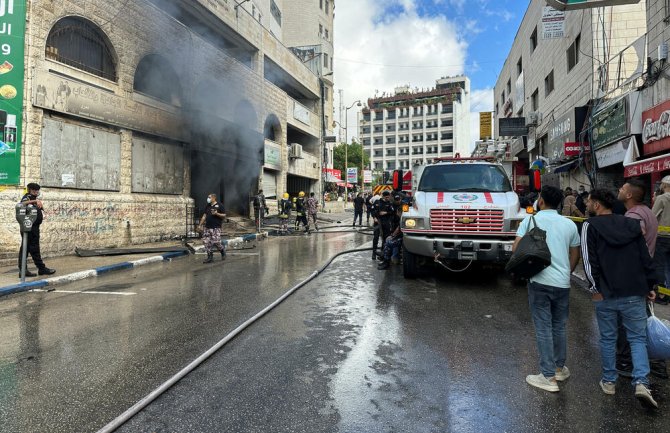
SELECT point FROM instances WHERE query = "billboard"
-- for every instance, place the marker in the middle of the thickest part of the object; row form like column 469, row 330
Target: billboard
column 352, row 174
column 485, row 125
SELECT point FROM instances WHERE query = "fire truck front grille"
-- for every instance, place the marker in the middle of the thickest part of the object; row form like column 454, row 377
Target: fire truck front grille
column 467, row 220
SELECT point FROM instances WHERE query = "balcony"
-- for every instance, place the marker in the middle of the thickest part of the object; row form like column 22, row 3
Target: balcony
column 302, row 117
column 307, row 166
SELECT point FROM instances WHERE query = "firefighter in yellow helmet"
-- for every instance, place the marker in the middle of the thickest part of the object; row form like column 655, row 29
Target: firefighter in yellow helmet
column 284, row 213
column 301, row 212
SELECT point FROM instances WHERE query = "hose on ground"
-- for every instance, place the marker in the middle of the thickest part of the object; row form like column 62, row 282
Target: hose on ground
column 133, row 410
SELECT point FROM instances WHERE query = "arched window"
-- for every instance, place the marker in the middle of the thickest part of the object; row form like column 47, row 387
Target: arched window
column 155, row 77
column 80, row 43
column 272, row 128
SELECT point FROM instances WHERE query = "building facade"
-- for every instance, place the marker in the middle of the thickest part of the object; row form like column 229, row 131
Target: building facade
column 416, row 127
column 132, row 112
column 560, row 85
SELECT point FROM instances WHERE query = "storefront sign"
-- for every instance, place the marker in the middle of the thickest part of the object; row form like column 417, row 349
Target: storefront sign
column 615, row 153
column 485, row 122
column 332, row 175
column 610, row 124
column 571, row 148
column 57, row 93
column 367, row 176
column 12, row 37
column 352, row 174
column 656, row 128
column 300, row 113
column 272, row 155
column 648, row 166
column 512, row 126
column 553, row 23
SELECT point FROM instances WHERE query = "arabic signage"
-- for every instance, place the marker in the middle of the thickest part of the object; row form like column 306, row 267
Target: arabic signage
column 73, row 97
column 485, row 124
column 272, row 155
column 332, row 175
column 12, row 36
column 656, row 128
column 646, row 167
column 367, row 176
column 553, row 23
column 610, row 124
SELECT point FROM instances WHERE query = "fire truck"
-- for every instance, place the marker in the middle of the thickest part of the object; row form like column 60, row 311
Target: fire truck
column 462, row 210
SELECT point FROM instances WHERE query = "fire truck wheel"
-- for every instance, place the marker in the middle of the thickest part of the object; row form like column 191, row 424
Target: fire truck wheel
column 410, row 266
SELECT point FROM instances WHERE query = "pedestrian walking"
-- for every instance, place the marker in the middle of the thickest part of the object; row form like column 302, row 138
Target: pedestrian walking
column 260, row 209
column 312, row 209
column 284, row 213
column 301, row 212
column 621, row 276
column 210, row 225
column 632, row 195
column 359, row 203
column 33, row 197
column 661, row 211
column 549, row 290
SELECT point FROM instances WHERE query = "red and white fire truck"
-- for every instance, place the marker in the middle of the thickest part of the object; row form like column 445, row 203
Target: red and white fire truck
column 462, row 210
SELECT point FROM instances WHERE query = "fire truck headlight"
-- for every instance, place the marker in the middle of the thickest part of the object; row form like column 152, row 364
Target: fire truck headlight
column 410, row 223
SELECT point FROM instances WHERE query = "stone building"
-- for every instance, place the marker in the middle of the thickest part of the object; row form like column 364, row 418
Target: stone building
column 564, row 77
column 132, row 112
column 415, row 127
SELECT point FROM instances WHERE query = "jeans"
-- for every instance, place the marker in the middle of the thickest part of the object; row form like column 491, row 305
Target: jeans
column 549, row 309
column 633, row 314
column 358, row 213
column 662, row 257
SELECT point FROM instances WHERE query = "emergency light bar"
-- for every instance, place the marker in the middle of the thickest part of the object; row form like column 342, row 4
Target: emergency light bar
column 458, row 158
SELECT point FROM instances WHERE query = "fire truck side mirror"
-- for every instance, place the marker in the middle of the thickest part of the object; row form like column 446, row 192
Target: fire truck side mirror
column 534, row 180
column 397, row 180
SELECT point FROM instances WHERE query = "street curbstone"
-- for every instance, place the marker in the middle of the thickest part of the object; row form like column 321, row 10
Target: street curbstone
column 21, row 287
column 111, row 268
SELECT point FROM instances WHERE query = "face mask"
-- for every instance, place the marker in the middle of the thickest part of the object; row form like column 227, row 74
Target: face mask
column 209, row 200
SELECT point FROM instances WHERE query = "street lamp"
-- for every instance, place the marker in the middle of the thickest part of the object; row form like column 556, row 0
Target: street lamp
column 346, row 147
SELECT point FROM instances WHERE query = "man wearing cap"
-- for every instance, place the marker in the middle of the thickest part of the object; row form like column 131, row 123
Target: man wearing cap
column 385, row 215
column 32, row 198
column 661, row 210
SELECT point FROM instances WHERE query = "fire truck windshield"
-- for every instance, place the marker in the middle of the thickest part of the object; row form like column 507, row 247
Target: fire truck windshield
column 464, row 178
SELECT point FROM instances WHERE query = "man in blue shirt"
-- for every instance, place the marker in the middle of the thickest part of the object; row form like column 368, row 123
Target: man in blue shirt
column 549, row 290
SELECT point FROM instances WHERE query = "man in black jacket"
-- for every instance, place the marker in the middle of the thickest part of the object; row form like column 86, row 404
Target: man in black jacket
column 622, row 276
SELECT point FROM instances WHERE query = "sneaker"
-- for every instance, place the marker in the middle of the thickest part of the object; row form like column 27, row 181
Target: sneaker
column 539, row 381
column 643, row 395
column 608, row 387
column 562, row 374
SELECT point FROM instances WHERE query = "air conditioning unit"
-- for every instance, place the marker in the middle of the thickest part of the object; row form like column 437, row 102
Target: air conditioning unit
column 295, row 151
column 534, row 118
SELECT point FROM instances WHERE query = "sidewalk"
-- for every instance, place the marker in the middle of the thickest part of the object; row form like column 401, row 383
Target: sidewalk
column 72, row 268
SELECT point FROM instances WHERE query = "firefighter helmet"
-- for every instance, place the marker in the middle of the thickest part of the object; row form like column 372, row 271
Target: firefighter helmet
column 301, row 194
column 285, row 196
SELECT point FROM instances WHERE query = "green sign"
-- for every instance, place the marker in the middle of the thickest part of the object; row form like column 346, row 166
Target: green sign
column 12, row 35
column 272, row 156
column 610, row 124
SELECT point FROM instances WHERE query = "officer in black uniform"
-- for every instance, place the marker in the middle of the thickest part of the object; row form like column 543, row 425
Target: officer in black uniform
column 376, row 229
column 385, row 215
column 31, row 197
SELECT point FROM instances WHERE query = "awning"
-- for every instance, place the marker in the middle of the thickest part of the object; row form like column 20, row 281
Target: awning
column 646, row 166
column 565, row 167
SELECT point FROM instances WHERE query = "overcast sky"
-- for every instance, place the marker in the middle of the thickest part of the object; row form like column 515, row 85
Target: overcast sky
column 380, row 45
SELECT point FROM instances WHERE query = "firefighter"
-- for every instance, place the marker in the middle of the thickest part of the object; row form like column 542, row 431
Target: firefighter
column 284, row 213
column 210, row 226
column 301, row 212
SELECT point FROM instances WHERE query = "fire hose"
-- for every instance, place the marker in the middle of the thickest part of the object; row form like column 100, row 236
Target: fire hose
column 137, row 407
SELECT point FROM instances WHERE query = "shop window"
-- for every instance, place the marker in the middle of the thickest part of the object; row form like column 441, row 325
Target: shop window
column 81, row 44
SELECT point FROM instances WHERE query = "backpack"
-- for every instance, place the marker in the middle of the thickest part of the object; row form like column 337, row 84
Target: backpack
column 532, row 254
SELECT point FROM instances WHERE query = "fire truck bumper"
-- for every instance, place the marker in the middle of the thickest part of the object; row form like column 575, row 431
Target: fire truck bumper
column 486, row 250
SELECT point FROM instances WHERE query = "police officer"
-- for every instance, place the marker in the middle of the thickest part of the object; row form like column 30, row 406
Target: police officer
column 385, row 215
column 375, row 202
column 212, row 220
column 284, row 213
column 301, row 212
column 32, row 197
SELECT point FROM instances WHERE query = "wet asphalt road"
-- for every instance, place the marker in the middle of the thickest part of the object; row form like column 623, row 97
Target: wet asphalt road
column 356, row 350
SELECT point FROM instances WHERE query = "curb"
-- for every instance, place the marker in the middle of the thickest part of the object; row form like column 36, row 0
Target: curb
column 76, row 276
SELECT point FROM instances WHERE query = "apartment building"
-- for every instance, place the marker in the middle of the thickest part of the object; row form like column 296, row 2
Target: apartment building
column 563, row 82
column 416, row 126
column 129, row 113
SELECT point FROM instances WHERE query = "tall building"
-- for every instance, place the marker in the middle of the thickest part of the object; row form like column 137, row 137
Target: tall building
column 129, row 113
column 416, row 126
column 561, row 82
